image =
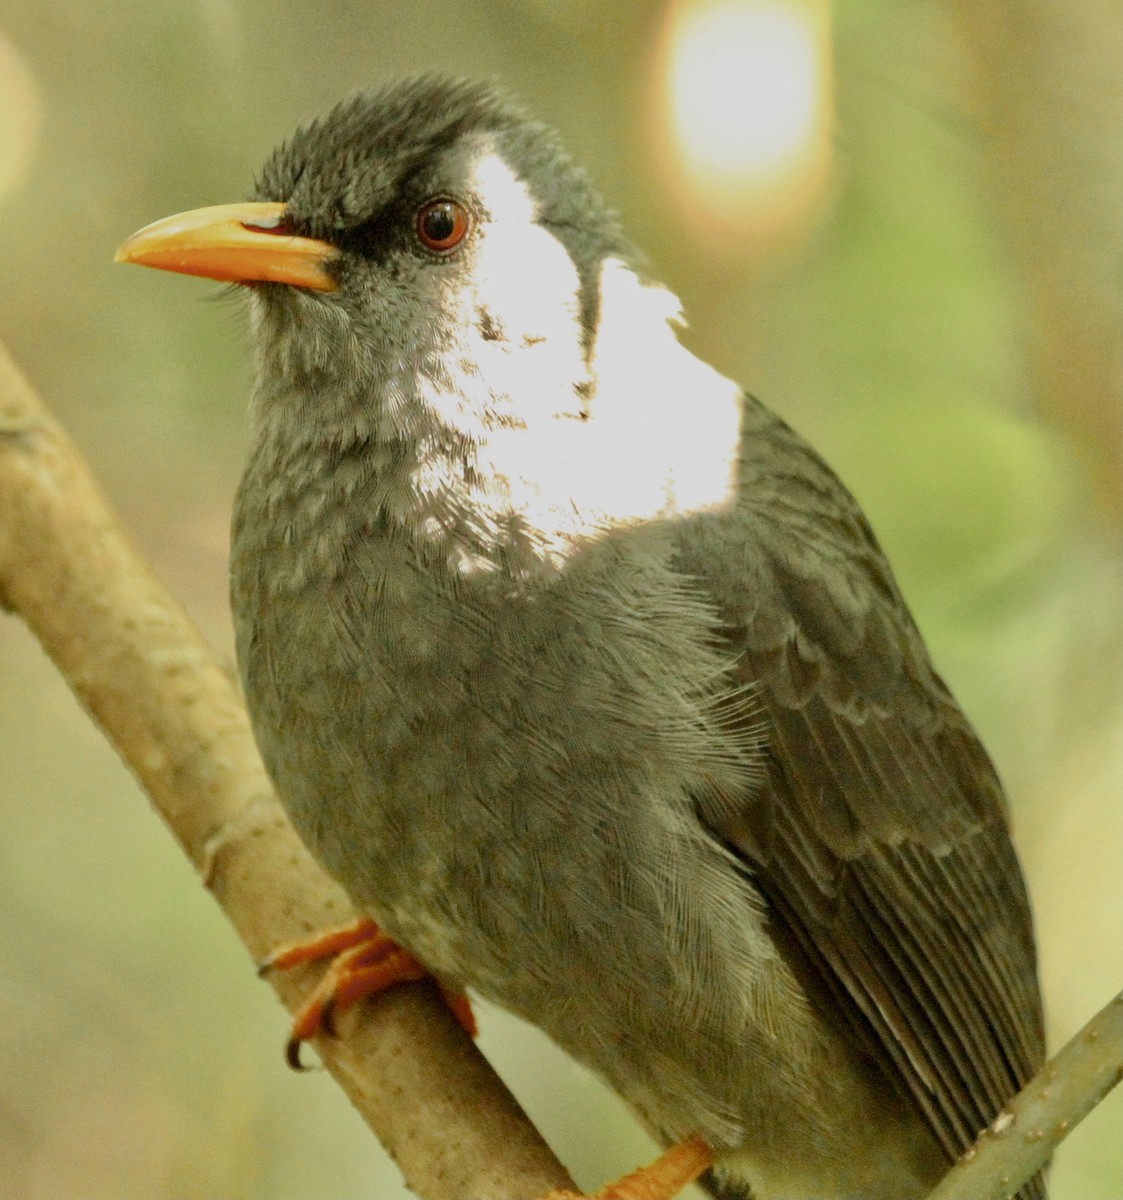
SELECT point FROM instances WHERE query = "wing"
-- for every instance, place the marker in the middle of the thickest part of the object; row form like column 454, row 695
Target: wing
column 880, row 836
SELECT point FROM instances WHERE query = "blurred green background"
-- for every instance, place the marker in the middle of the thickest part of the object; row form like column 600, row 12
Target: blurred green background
column 938, row 310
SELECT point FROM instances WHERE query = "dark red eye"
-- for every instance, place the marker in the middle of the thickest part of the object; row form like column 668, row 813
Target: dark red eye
column 442, row 224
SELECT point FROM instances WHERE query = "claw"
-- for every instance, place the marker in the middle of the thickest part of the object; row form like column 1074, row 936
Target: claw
column 364, row 961
column 292, row 1054
column 326, row 944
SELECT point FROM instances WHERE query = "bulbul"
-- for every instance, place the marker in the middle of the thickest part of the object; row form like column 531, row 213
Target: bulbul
column 587, row 678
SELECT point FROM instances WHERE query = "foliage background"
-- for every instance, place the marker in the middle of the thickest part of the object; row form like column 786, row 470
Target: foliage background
column 910, row 327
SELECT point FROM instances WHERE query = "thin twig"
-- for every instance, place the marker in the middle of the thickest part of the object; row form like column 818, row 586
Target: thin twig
column 1023, row 1137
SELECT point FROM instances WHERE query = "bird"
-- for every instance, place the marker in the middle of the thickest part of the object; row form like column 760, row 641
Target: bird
column 585, row 675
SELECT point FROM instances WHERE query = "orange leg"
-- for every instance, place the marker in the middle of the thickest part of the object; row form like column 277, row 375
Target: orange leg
column 364, row 961
column 660, row 1180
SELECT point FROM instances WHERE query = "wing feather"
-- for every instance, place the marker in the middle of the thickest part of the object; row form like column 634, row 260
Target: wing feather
column 880, row 836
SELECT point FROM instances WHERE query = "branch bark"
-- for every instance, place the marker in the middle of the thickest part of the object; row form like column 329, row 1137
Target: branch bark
column 173, row 713
column 1024, row 1135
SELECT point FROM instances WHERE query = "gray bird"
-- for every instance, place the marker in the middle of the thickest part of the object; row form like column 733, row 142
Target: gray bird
column 585, row 675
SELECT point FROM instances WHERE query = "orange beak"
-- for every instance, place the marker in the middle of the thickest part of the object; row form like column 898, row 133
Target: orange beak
column 236, row 243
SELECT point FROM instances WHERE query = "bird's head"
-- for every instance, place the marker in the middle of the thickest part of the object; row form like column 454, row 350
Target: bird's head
column 428, row 268
column 408, row 244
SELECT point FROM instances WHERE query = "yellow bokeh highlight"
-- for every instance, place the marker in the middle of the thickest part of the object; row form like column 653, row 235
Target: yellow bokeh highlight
column 746, row 92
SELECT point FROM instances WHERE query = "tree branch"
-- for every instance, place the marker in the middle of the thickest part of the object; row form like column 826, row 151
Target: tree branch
column 1023, row 1137
column 143, row 672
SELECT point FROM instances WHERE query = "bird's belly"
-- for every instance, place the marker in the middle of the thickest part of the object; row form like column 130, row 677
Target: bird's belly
column 526, row 836
column 664, row 982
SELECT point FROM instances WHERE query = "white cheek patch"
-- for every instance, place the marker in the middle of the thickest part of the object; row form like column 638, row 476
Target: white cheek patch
column 664, row 426
column 524, row 278
column 504, row 194
column 661, row 438
column 643, row 430
column 524, row 290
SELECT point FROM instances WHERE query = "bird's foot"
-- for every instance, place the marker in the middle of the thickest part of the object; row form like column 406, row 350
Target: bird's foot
column 660, row 1180
column 364, row 961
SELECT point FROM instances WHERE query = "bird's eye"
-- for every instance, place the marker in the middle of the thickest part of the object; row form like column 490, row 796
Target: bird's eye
column 442, row 224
